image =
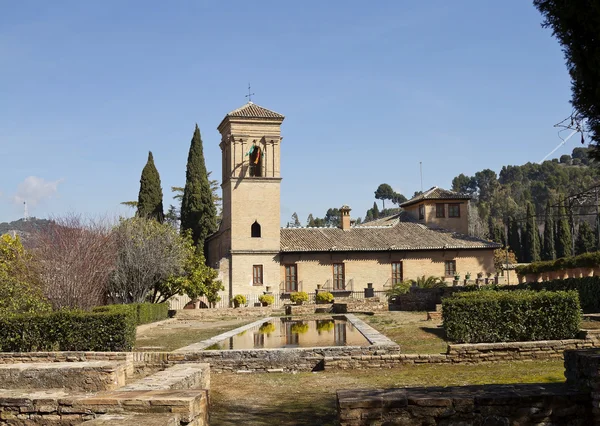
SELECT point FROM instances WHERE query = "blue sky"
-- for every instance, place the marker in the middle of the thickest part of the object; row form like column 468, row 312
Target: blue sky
column 368, row 89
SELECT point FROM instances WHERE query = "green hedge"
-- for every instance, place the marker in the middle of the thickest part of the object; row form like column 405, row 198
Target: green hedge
column 68, row 331
column 587, row 287
column 511, row 316
column 144, row 312
column 585, row 260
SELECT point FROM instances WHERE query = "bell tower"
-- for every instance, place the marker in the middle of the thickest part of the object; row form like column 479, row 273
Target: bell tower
column 249, row 235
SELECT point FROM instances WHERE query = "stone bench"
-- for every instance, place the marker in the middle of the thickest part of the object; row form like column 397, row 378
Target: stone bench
column 181, row 376
column 89, row 376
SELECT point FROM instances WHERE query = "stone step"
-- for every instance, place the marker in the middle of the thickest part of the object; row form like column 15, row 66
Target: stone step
column 135, row 419
column 180, row 376
column 88, row 376
column 434, row 316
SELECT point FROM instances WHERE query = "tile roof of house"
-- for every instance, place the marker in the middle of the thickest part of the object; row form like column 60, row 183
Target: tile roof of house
column 251, row 110
column 400, row 236
column 436, row 193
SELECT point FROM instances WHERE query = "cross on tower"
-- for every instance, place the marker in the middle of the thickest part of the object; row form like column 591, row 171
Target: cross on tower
column 249, row 95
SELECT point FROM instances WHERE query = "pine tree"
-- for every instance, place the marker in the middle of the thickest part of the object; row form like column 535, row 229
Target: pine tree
column 532, row 242
column 549, row 252
column 198, row 212
column 150, row 198
column 375, row 211
column 310, row 221
column 514, row 239
column 563, row 231
column 586, row 240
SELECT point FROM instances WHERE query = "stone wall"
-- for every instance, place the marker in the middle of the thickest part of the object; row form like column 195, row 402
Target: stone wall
column 210, row 314
column 537, row 404
column 371, row 304
column 89, row 376
column 467, row 353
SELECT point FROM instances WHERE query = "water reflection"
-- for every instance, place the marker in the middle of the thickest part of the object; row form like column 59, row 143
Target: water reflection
column 292, row 333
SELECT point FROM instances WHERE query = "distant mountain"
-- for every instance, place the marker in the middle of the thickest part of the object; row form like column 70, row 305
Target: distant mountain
column 22, row 226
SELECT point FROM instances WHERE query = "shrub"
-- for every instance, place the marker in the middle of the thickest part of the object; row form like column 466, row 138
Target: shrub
column 587, row 287
column 267, row 328
column 266, row 299
column 430, row 282
column 324, row 297
column 511, row 316
column 586, row 260
column 299, row 327
column 398, row 289
column 325, row 325
column 144, row 313
column 239, row 300
column 299, row 296
column 68, row 331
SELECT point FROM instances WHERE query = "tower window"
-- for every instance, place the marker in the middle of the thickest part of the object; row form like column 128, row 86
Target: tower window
column 255, row 231
column 256, row 161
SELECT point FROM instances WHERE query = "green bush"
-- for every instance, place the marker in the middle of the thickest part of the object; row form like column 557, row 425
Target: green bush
column 144, row 313
column 298, row 297
column 587, row 287
column 68, row 331
column 398, row 289
column 324, row 297
column 239, row 300
column 266, row 299
column 511, row 316
column 585, row 260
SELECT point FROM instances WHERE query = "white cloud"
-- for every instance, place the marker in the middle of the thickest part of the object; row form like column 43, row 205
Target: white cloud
column 35, row 189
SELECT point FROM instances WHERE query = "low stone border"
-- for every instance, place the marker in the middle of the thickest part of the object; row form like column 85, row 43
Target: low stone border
column 223, row 336
column 181, row 376
column 461, row 405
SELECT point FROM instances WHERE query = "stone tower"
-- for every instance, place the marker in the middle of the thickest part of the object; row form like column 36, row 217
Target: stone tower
column 246, row 246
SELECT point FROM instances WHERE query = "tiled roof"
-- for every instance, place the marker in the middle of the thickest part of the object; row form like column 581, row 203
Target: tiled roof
column 251, row 110
column 436, row 193
column 388, row 220
column 401, row 236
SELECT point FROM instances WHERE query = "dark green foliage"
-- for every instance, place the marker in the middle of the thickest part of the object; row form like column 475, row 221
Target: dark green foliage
column 384, row 192
column 514, row 239
column 563, row 231
column 150, row 198
column 588, row 289
column 576, row 25
column 68, row 331
column 375, row 211
column 531, row 244
column 511, row 316
column 586, row 240
column 464, row 184
column 495, row 231
column 144, row 313
column 198, row 212
column 548, row 251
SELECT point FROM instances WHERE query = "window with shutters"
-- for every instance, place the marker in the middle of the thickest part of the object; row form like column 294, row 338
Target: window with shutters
column 257, row 275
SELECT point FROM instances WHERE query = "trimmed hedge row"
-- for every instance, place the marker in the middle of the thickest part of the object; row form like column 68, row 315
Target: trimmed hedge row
column 585, row 260
column 144, row 313
column 511, row 316
column 68, row 331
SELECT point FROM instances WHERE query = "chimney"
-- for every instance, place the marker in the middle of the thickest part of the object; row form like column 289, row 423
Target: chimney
column 345, row 217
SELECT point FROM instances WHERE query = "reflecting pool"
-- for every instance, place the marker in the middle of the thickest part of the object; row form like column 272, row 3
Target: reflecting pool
column 292, row 333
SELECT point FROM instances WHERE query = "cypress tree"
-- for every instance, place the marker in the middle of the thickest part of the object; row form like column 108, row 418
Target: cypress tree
column 514, row 239
column 549, row 252
column 532, row 241
column 586, row 240
column 563, row 231
column 375, row 211
column 198, row 212
column 150, row 198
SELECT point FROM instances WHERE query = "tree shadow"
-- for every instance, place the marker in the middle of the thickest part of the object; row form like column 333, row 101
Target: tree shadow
column 437, row 331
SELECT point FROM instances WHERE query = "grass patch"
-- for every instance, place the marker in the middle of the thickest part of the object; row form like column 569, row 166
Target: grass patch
column 309, row 398
column 410, row 330
column 175, row 335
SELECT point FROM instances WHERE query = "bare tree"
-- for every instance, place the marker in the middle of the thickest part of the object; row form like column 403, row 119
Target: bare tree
column 477, row 227
column 75, row 257
column 149, row 253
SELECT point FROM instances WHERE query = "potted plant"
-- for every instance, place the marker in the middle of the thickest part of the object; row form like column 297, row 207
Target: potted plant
column 468, row 276
column 239, row 300
column 266, row 299
column 324, row 297
column 299, row 297
column 456, row 279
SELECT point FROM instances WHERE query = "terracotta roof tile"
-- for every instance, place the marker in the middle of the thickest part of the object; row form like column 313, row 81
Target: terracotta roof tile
column 401, row 236
column 436, row 193
column 251, row 110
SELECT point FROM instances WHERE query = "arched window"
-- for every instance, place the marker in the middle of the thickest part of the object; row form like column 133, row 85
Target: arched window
column 256, row 161
column 255, row 230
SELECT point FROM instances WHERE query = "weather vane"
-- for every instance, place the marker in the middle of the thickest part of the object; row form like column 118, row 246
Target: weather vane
column 250, row 94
